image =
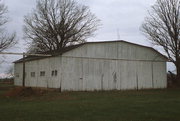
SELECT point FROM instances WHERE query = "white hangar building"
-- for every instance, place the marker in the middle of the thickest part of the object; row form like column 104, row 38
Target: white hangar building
column 110, row 65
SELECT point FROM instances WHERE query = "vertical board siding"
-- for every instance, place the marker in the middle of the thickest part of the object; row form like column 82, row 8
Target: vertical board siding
column 47, row 65
column 159, row 72
column 18, row 72
column 104, row 66
column 98, row 74
column 144, row 73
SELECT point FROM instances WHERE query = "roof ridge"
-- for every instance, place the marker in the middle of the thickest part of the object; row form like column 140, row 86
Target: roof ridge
column 69, row 48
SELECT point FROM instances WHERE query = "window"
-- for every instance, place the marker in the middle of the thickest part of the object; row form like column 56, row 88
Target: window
column 42, row 73
column 54, row 73
column 17, row 75
column 32, row 74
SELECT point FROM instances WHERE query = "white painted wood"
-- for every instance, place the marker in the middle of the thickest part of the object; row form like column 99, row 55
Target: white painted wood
column 98, row 66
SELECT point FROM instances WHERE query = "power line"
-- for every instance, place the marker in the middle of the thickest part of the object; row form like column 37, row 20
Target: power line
column 26, row 54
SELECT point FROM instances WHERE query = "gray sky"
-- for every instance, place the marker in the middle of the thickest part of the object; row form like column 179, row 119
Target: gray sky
column 121, row 19
column 117, row 16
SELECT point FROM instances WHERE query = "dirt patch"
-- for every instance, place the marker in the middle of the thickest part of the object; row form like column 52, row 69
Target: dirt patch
column 29, row 93
column 24, row 92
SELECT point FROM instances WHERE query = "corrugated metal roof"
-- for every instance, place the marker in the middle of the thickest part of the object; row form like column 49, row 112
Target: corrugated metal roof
column 69, row 48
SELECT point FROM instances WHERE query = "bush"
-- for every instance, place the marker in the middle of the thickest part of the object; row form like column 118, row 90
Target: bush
column 7, row 80
column 171, row 79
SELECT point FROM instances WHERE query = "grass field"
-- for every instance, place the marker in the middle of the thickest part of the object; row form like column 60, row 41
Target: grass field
column 147, row 105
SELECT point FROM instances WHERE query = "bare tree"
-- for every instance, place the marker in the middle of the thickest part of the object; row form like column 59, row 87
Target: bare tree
column 55, row 24
column 6, row 40
column 162, row 27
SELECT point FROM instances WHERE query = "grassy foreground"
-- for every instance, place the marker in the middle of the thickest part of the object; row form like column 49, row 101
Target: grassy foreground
column 148, row 105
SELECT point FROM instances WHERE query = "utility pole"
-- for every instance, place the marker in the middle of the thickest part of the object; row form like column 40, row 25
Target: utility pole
column 24, row 71
column 118, row 35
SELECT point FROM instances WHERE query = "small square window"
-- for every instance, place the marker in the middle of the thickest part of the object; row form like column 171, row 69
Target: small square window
column 32, row 74
column 55, row 72
column 42, row 73
column 52, row 74
column 17, row 75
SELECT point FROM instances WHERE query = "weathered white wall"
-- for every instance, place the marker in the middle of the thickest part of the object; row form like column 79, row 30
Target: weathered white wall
column 100, row 66
column 47, row 65
column 116, row 65
column 115, row 50
column 97, row 74
column 18, row 70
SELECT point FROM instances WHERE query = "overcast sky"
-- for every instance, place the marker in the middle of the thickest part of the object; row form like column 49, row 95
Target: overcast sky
column 117, row 16
column 121, row 19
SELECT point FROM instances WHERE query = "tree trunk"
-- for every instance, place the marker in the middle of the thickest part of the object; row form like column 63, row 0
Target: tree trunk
column 178, row 73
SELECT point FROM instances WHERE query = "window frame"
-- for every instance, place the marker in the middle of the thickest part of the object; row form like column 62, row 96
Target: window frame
column 42, row 73
column 17, row 75
column 54, row 73
column 33, row 74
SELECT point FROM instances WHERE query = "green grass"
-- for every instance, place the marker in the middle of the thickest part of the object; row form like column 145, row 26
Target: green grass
column 147, row 105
